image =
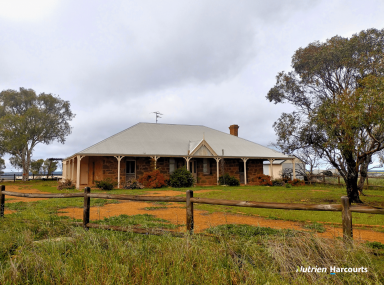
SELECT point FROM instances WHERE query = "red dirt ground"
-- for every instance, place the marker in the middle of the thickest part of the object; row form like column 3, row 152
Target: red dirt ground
column 176, row 214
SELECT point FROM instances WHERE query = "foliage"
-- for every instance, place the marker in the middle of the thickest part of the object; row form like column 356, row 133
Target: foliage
column 316, row 227
column 133, row 184
column 2, row 165
column 153, row 179
column 287, row 185
column 229, row 180
column 375, row 245
column 278, row 182
column 297, row 182
column 66, row 184
column 181, row 177
column 37, row 166
column 106, row 184
column 49, row 166
column 263, row 180
column 327, row 173
column 16, row 162
column 337, row 89
column 27, row 119
column 246, row 231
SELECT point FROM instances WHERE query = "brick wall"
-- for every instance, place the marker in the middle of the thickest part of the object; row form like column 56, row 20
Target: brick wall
column 102, row 167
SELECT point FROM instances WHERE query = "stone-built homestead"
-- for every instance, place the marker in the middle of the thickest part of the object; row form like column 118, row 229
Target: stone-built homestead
column 138, row 149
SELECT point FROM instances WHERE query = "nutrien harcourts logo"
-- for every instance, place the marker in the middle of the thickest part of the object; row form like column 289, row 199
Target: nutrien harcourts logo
column 332, row 270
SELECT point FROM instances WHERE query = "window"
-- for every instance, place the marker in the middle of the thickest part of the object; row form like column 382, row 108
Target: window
column 206, row 169
column 130, row 167
column 241, row 167
column 172, row 165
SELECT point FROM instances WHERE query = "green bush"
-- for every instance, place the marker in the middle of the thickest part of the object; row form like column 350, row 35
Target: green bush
column 106, row 184
column 278, row 182
column 288, row 185
column 133, row 184
column 229, row 180
column 181, row 177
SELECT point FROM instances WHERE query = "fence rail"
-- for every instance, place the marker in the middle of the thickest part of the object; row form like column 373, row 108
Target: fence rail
column 322, row 179
column 345, row 207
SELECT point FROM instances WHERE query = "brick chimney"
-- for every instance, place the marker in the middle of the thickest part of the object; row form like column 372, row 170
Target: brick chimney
column 233, row 130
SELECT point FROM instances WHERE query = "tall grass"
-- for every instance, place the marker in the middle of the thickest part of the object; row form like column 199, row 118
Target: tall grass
column 233, row 255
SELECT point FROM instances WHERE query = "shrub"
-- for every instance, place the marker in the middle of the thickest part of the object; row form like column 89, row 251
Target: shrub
column 229, row 180
column 106, row 184
column 153, row 179
column 181, row 177
column 66, row 184
column 133, row 184
column 297, row 182
column 288, row 185
column 278, row 182
column 263, row 180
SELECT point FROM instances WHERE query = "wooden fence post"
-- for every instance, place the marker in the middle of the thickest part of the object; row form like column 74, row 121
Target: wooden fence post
column 346, row 215
column 190, row 223
column 2, row 201
column 86, row 210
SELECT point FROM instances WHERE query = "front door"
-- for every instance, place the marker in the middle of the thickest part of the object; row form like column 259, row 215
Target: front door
column 193, row 168
column 130, row 170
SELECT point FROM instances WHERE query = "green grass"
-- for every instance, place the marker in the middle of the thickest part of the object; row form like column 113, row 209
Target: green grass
column 248, row 231
column 322, row 194
column 155, row 208
column 302, row 194
column 316, row 227
column 240, row 254
column 143, row 221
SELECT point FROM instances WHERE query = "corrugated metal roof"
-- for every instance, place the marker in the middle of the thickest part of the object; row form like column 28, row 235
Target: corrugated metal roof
column 145, row 139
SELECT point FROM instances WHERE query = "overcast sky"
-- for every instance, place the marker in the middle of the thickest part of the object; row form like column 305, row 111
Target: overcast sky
column 198, row 62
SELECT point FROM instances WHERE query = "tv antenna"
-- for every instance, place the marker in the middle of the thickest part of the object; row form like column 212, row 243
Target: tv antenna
column 157, row 115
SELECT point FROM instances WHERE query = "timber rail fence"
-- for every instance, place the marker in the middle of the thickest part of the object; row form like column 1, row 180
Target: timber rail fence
column 345, row 208
column 324, row 179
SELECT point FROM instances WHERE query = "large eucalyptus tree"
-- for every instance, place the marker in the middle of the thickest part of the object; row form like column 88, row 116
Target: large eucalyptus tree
column 337, row 89
column 27, row 119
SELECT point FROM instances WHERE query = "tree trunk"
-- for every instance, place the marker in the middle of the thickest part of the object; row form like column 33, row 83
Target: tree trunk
column 24, row 164
column 363, row 173
column 26, row 160
column 352, row 189
column 351, row 178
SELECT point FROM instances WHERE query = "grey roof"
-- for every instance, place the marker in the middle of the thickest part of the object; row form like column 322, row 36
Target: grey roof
column 145, row 139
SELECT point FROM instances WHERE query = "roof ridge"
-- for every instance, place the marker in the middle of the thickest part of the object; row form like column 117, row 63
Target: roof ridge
column 245, row 140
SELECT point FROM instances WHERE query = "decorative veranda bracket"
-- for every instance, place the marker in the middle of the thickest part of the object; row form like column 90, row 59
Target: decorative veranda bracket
column 187, row 158
column 155, row 158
